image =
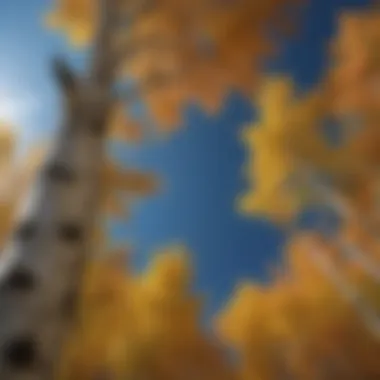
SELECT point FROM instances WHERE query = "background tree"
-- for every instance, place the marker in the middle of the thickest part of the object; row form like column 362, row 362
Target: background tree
column 300, row 325
column 295, row 163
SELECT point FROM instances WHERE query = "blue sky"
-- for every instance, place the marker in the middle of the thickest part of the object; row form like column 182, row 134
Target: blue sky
column 200, row 165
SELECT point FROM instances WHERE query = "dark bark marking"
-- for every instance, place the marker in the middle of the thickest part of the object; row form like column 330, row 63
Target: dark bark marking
column 70, row 232
column 20, row 279
column 59, row 172
column 20, row 353
column 26, row 230
column 64, row 75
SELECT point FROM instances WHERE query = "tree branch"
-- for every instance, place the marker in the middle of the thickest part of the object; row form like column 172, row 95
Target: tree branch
column 66, row 77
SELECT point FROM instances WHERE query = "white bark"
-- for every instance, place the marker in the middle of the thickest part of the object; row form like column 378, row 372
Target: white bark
column 41, row 274
column 42, row 269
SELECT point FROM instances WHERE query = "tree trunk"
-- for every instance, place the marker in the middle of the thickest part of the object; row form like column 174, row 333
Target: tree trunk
column 40, row 282
column 42, row 266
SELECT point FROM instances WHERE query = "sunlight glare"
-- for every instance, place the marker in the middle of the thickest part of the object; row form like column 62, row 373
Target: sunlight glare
column 17, row 109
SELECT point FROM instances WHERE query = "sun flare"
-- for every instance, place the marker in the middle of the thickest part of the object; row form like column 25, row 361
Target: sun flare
column 15, row 109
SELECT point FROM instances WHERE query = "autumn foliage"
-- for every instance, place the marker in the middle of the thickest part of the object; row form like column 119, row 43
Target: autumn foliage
column 302, row 326
column 151, row 318
column 318, row 317
column 183, row 51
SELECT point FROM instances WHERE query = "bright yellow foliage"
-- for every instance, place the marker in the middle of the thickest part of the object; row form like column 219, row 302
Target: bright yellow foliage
column 286, row 137
column 99, row 337
column 290, row 141
column 134, row 325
